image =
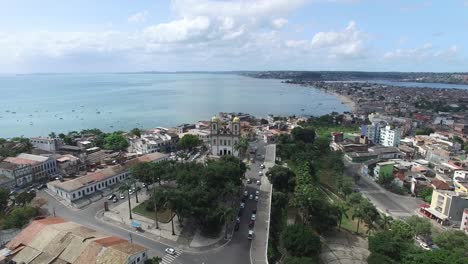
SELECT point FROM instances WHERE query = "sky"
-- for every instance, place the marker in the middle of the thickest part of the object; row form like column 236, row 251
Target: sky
column 229, row 35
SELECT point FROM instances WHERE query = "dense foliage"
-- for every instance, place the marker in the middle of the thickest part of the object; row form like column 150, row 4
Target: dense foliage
column 116, row 142
column 282, row 178
column 299, row 240
column 189, row 142
column 201, row 191
column 15, row 146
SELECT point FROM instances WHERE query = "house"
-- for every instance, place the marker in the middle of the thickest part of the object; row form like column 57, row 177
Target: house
column 156, row 140
column 447, row 207
column 464, row 221
column 55, row 240
column 360, row 156
column 383, row 169
column 461, row 185
column 99, row 180
column 386, row 153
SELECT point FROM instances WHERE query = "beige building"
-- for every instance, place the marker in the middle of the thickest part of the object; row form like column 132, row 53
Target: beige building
column 224, row 136
column 447, row 206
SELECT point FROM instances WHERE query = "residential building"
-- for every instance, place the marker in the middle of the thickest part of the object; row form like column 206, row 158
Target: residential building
column 55, row 240
column 447, row 206
column 45, row 143
column 464, row 221
column 372, row 132
column 385, row 153
column 202, row 134
column 461, row 174
column 461, row 185
column 156, row 140
column 390, row 137
column 43, row 167
column 19, row 175
column 224, row 136
column 383, row 169
column 99, row 180
column 69, row 165
column 360, row 156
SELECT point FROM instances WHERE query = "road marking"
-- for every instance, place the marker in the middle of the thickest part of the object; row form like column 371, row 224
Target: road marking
column 168, row 258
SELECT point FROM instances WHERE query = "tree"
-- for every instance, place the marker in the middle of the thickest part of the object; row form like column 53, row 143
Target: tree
column 306, row 135
column 282, row 178
column 125, row 187
column 4, row 198
column 52, row 135
column 19, row 217
column 116, row 142
column 136, row 132
column 189, row 142
column 453, row 239
column 242, row 146
column 389, row 244
column 386, row 221
column 298, row 260
column 342, row 210
column 153, row 260
column 426, row 194
column 402, row 231
column 376, row 258
column 420, row 226
column 299, row 240
column 424, row 131
column 24, row 198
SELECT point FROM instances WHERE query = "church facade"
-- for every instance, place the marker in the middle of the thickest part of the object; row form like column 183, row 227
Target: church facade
column 224, row 136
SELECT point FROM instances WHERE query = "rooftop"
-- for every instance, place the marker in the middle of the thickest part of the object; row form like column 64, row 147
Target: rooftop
column 59, row 241
column 32, row 157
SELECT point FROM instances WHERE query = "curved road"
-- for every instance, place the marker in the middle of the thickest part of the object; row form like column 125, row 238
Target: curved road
column 234, row 252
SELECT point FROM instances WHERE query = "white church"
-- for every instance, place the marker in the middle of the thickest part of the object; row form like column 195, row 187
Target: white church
column 224, row 136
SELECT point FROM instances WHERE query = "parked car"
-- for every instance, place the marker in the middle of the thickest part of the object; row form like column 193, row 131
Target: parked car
column 250, row 235
column 249, row 181
column 236, row 227
column 243, row 199
column 242, row 205
column 112, row 196
column 115, row 199
column 262, row 166
column 257, row 192
column 122, row 196
column 253, row 217
column 246, row 193
column 260, row 173
column 251, row 223
column 238, row 220
column 130, row 192
column 170, row 251
column 250, row 196
column 254, row 211
column 258, row 182
column 256, row 198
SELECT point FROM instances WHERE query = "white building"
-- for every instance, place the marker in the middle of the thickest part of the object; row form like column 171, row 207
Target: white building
column 224, row 136
column 96, row 181
column 45, row 143
column 203, row 135
column 390, row 137
column 156, row 140
column 372, row 132
column 46, row 167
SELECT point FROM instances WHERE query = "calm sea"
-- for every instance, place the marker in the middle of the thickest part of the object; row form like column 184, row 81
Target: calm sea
column 35, row 105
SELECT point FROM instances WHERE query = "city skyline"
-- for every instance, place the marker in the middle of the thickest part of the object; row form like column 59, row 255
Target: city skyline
column 207, row 35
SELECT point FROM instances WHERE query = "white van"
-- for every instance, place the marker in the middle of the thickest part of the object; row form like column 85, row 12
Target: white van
column 250, row 235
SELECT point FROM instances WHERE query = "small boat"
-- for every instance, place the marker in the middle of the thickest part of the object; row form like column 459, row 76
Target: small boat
column 13, row 112
column 73, row 110
column 61, row 118
column 30, row 115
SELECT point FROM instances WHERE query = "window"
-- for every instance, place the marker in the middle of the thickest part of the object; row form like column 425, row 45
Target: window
column 73, row 196
column 144, row 254
column 138, row 259
column 229, row 142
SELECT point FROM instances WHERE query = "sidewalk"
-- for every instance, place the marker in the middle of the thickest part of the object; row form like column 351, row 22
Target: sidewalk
column 185, row 238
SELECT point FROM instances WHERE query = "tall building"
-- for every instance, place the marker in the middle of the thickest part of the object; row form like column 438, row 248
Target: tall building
column 372, row 132
column 390, row 137
column 224, row 136
column 47, row 144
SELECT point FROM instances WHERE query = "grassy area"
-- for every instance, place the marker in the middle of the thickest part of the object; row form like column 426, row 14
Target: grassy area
column 163, row 216
column 351, row 225
column 325, row 131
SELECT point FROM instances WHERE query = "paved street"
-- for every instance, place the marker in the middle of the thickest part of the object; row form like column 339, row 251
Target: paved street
column 398, row 206
column 237, row 250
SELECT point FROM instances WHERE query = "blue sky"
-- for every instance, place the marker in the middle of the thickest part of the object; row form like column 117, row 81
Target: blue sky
column 184, row 35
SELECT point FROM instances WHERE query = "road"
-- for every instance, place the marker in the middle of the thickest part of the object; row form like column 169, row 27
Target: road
column 398, row 206
column 237, row 250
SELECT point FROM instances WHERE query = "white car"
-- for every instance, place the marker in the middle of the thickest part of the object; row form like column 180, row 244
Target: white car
column 258, row 182
column 238, row 220
column 251, row 197
column 262, row 166
column 253, row 217
column 170, row 251
column 130, row 192
column 257, row 192
column 246, row 193
column 260, row 173
column 256, row 198
column 122, row 196
column 250, row 235
column 242, row 205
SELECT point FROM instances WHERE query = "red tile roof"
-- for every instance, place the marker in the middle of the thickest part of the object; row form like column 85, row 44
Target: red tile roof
column 440, row 185
column 109, row 241
column 20, row 161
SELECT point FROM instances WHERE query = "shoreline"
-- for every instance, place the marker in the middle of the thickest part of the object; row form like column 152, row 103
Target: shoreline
column 346, row 100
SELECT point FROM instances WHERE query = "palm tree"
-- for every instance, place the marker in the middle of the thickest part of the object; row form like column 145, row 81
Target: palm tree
column 242, row 146
column 169, row 204
column 132, row 183
column 358, row 213
column 227, row 214
column 125, row 187
column 342, row 209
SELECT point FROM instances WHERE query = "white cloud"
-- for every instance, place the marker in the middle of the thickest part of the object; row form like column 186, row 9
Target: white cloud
column 297, row 43
column 138, row 17
column 426, row 52
column 348, row 42
column 279, row 23
column 185, row 29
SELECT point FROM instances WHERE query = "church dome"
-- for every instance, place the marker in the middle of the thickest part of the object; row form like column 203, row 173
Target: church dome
column 236, row 119
column 214, row 119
